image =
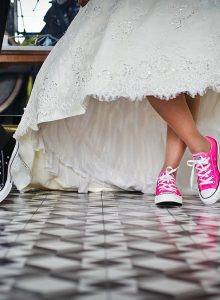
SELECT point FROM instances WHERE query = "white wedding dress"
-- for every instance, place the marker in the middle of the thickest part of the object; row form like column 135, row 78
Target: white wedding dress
column 88, row 125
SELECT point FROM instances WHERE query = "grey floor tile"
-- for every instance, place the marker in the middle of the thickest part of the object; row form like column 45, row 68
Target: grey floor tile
column 46, row 285
column 54, row 263
column 171, row 287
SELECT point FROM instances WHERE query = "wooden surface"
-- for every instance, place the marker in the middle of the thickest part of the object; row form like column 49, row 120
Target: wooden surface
column 18, row 56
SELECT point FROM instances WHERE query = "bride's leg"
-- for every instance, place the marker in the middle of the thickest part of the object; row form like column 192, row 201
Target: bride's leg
column 176, row 113
column 175, row 147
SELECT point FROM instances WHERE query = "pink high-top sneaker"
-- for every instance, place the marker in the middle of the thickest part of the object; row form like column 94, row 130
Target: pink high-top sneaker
column 167, row 192
column 206, row 166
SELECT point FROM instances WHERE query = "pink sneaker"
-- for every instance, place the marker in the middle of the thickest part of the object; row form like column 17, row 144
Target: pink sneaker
column 206, row 166
column 167, row 192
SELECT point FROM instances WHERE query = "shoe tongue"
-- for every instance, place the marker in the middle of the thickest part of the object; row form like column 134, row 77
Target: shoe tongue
column 199, row 156
column 161, row 173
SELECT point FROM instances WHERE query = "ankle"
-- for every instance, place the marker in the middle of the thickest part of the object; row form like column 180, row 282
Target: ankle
column 202, row 146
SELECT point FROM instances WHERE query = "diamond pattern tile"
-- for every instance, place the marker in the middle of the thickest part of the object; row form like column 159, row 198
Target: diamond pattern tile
column 107, row 246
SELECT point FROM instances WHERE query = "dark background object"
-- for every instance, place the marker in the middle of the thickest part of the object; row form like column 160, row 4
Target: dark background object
column 58, row 18
column 4, row 8
column 10, row 85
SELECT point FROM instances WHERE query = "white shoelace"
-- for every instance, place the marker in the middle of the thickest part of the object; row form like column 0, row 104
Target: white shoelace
column 203, row 168
column 166, row 181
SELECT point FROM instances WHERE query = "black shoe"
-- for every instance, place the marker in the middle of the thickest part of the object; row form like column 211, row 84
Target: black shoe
column 7, row 155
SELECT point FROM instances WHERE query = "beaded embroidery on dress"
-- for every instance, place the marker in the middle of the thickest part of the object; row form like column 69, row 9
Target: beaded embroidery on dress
column 91, row 93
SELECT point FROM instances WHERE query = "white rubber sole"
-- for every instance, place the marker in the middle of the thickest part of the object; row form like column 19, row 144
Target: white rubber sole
column 168, row 198
column 216, row 196
column 8, row 185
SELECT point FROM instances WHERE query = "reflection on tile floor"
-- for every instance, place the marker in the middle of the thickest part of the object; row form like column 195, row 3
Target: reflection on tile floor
column 107, row 246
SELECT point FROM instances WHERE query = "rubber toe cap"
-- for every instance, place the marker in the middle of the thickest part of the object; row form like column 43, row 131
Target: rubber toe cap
column 207, row 193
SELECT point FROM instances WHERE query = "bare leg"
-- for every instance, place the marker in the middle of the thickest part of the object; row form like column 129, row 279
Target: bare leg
column 178, row 116
column 175, row 147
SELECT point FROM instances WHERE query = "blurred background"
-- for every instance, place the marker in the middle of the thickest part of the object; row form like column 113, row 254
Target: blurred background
column 33, row 28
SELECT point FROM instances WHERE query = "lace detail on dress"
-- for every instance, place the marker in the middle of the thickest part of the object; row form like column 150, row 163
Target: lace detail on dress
column 128, row 49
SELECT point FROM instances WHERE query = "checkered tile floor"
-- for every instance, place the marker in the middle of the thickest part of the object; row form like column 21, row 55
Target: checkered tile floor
column 107, row 246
